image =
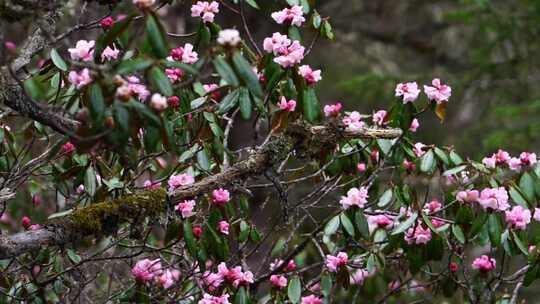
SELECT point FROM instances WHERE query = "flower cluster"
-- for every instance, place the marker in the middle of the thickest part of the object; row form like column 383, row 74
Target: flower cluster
column 438, row 92
column 147, row 270
column 355, row 197
column 287, row 53
column 205, row 10
column 293, row 16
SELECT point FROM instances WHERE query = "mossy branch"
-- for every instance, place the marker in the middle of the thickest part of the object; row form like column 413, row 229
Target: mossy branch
column 104, row 218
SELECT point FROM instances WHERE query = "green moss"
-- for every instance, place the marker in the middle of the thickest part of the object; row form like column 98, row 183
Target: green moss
column 103, row 217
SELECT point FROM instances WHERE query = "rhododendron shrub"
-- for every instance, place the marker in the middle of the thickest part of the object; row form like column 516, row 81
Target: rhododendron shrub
column 133, row 191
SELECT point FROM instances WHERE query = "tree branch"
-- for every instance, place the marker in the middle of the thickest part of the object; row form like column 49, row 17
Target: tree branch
column 104, row 218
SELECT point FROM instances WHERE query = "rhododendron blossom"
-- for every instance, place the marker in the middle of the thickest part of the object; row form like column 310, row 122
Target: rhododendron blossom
column 334, row 263
column 110, row 53
column 518, row 218
column 418, row 235
column 293, row 16
column 158, row 102
column 176, row 181
column 415, row 124
column 83, row 50
column 500, row 158
column 432, row 207
column 148, row 184
column 185, row 208
column 278, row 281
column 206, row 10
column 146, row 270
column 291, row 55
column 169, row 277
column 468, row 196
column 276, row 43
column 184, row 54
column 379, row 221
column 235, row 275
column 355, row 197
column 494, row 198
column 359, row 276
column 221, row 196
column 223, row 227
column 484, row 263
column 438, row 92
column 80, row 79
column 309, row 75
column 210, row 299
column 175, row 74
column 311, row 299
column 287, row 105
column 229, row 37
column 418, row 149
column 379, row 117
column 353, row 121
column 332, row 110
column 408, row 91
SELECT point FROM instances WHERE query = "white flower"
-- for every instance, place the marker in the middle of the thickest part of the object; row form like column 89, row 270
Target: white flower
column 230, row 37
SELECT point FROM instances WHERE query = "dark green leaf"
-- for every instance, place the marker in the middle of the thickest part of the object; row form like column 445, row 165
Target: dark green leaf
column 245, row 71
column 97, row 104
column 58, row 61
column 135, row 65
column 311, row 105
column 156, row 37
column 347, row 224
column 427, row 163
column 245, row 103
column 160, row 81
column 294, row 290
column 225, row 71
column 229, row 102
column 110, row 36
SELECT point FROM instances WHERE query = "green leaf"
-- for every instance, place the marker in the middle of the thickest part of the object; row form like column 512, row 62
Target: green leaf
column 294, row 34
column 526, row 183
column 442, row 156
column 241, row 296
column 225, row 71
column 294, row 291
column 428, row 163
column 458, row 233
column 347, row 224
column 311, row 105
column 532, row 274
column 58, row 61
column 244, row 231
column 405, row 225
column 520, row 244
column 517, row 197
column 494, row 230
column 110, row 36
column 229, row 102
column 326, row 284
column 159, row 80
column 189, row 68
column 189, row 238
column 73, row 257
column 97, row 104
column 454, row 170
column 245, row 103
column 316, row 20
column 90, row 183
column 135, row 65
column 332, row 226
column 245, row 71
column 327, row 31
column 195, row 103
column 253, row 4
column 455, row 158
column 157, row 40
column 361, row 223
column 385, row 199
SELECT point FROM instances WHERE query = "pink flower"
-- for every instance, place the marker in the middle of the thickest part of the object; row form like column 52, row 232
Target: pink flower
column 311, row 299
column 418, row 149
column 353, row 122
column 176, row 181
column 484, row 263
column 490, row 162
column 207, row 11
column 278, row 281
column 221, row 196
column 515, row 164
column 527, row 159
column 379, row 221
column 210, row 299
column 418, row 235
column 414, row 125
column 432, row 207
column 438, row 92
column 437, row 223
column 110, row 53
column 137, row 88
column 146, row 270
column 150, row 185
column 68, row 148
column 158, row 102
column 276, row 43
column 185, row 208
column 285, row 105
column 361, row 167
column 175, row 74
column 359, row 276
column 409, row 165
column 332, row 110
column 223, row 227
column 235, row 275
column 290, row 55
column 277, row 263
column 184, row 54
column 10, row 45
column 309, row 75
column 409, row 91
column 26, row 222
column 212, row 280
column 80, row 79
column 453, row 267
column 333, row 263
column 355, row 197
column 83, row 50
column 500, row 158
column 169, row 277
column 468, row 196
column 379, row 117
column 293, row 15
column 518, row 217
column 173, row 101
column 106, row 22
column 210, row 88
column 494, row 198
column 36, row 200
